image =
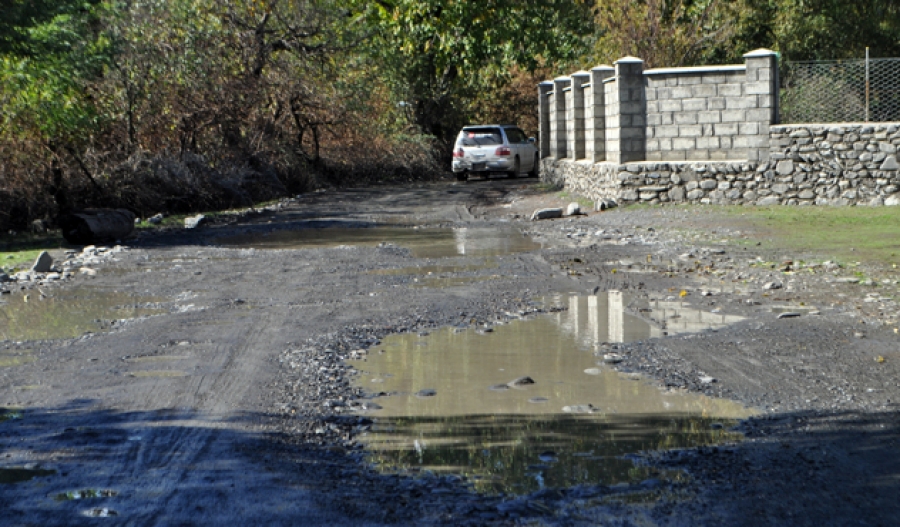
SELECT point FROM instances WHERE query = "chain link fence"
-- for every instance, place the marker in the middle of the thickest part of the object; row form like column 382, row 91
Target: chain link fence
column 864, row 90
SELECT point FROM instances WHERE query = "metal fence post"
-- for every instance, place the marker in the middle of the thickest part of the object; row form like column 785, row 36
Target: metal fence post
column 867, row 83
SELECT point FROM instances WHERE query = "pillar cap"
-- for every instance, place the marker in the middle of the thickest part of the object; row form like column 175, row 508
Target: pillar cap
column 562, row 78
column 545, row 83
column 603, row 67
column 581, row 73
column 629, row 60
column 758, row 53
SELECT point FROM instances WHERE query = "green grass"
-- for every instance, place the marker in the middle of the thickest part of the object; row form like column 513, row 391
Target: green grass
column 585, row 203
column 19, row 252
column 849, row 234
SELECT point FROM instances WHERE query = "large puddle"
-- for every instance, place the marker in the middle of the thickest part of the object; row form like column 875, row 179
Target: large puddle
column 65, row 313
column 457, row 408
column 422, row 242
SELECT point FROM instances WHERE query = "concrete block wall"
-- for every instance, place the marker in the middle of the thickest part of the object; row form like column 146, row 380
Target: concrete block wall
column 697, row 114
column 595, row 114
column 575, row 108
column 669, row 114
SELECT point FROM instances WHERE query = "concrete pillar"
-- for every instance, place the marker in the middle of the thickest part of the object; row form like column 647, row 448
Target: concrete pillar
column 561, row 86
column 594, row 114
column 629, row 126
column 575, row 115
column 763, row 84
column 544, row 93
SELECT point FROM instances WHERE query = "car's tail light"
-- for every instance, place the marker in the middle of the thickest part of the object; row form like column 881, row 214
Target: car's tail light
column 503, row 151
column 459, row 153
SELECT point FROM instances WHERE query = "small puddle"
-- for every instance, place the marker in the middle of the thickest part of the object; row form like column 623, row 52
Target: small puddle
column 66, row 313
column 8, row 414
column 85, row 494
column 423, row 243
column 457, row 409
column 17, row 475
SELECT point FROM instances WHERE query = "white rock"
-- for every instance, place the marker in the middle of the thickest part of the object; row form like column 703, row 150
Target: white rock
column 546, row 214
column 574, row 209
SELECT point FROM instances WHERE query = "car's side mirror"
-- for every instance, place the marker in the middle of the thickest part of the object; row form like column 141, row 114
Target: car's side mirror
column 531, row 139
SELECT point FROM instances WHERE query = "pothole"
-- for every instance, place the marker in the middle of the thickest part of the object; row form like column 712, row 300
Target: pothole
column 579, row 422
column 66, row 313
column 423, row 243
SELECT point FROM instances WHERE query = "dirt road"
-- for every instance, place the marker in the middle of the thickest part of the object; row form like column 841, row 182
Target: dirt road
column 236, row 405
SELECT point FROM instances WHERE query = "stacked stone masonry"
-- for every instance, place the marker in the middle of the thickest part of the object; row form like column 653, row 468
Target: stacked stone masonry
column 809, row 164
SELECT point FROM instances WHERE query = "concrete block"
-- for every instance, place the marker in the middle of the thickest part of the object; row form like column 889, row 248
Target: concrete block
column 713, row 78
column 758, row 88
column 654, row 119
column 682, row 92
column 665, row 144
column 764, row 101
column 734, row 116
column 729, row 90
column 740, row 103
column 748, row 128
column 762, row 115
column 684, row 143
column 631, row 108
column 698, row 154
column 704, row 90
column 670, row 105
column 719, row 155
column 632, row 133
column 709, row 143
column 685, row 118
column 652, row 106
column 709, row 117
column 694, row 105
column 726, row 129
column 654, row 155
column 716, row 103
column 690, row 131
column 675, row 155
column 689, row 80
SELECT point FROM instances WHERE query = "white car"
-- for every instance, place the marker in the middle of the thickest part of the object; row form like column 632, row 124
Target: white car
column 492, row 148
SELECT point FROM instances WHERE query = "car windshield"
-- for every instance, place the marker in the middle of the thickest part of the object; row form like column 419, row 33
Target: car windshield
column 481, row 136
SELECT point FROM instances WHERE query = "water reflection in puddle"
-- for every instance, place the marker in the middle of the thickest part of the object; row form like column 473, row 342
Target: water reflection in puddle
column 66, row 313
column 17, row 475
column 573, row 425
column 423, row 243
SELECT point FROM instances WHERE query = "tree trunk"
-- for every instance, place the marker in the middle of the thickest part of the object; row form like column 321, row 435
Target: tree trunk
column 96, row 226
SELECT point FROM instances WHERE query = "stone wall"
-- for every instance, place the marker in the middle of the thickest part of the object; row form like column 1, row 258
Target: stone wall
column 808, row 164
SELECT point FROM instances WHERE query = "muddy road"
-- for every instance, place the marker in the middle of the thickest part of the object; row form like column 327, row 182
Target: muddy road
column 231, row 389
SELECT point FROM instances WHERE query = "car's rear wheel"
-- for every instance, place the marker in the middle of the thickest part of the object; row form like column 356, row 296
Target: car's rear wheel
column 536, row 167
column 515, row 171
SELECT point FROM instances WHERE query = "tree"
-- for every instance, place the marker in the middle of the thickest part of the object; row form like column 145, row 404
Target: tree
column 437, row 54
column 663, row 33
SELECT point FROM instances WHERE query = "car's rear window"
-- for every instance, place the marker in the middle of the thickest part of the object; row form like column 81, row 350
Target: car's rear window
column 481, row 136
